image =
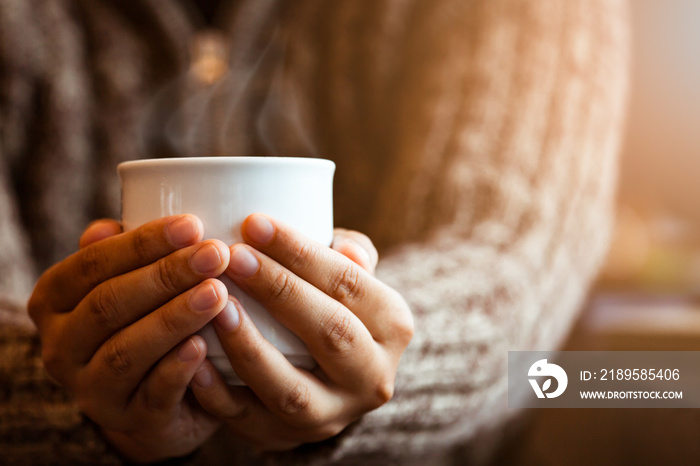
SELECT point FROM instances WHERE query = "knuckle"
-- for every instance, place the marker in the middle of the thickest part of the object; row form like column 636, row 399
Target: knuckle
column 140, row 247
column 295, row 400
column 383, row 391
column 347, row 285
column 302, row 254
column 251, row 354
column 169, row 322
column 166, row 278
column 282, row 287
column 104, row 309
column 338, row 333
column 92, row 261
column 117, row 358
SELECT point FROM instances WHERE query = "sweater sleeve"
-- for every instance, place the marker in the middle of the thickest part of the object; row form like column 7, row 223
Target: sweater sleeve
column 495, row 211
column 16, row 95
column 39, row 423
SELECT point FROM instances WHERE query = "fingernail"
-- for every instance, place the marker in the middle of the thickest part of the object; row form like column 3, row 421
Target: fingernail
column 243, row 262
column 203, row 377
column 259, row 229
column 229, row 318
column 188, row 351
column 182, row 231
column 205, row 259
column 204, row 297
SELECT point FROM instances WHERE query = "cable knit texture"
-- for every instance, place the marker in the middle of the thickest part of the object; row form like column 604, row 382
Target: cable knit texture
column 475, row 143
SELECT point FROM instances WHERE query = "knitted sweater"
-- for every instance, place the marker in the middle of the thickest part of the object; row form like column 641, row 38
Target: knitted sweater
column 475, row 143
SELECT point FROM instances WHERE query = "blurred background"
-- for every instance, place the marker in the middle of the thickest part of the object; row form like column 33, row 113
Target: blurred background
column 657, row 245
column 648, row 296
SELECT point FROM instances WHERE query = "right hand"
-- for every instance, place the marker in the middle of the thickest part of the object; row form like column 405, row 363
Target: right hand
column 116, row 321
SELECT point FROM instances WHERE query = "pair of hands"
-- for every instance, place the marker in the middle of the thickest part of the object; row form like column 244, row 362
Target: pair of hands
column 117, row 320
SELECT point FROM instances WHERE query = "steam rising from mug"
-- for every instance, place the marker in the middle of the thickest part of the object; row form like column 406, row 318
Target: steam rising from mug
column 227, row 104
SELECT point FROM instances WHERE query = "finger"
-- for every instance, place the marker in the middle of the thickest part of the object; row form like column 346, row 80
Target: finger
column 335, row 337
column 99, row 230
column 123, row 300
column 118, row 367
column 67, row 282
column 295, row 396
column 356, row 247
column 164, row 388
column 159, row 402
column 377, row 305
column 241, row 410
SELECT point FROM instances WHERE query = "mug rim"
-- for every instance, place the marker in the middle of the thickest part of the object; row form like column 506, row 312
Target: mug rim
column 224, row 160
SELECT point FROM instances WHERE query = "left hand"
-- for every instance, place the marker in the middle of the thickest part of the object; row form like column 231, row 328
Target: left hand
column 355, row 326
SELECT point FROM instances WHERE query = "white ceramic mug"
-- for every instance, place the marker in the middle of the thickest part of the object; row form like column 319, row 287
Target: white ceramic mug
column 222, row 192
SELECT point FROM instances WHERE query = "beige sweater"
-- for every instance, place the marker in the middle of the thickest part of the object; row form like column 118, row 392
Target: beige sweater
column 475, row 142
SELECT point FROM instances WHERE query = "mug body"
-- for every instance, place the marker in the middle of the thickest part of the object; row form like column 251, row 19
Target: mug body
column 222, row 192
